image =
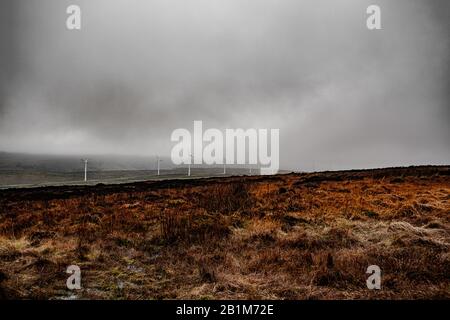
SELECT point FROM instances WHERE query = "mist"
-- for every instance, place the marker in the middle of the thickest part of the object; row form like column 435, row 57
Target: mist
column 342, row 96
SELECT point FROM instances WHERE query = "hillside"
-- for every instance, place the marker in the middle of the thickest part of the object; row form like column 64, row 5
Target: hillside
column 293, row 236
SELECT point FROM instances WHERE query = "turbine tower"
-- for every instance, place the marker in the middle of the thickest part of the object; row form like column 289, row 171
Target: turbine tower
column 189, row 165
column 158, row 161
column 224, row 166
column 85, row 168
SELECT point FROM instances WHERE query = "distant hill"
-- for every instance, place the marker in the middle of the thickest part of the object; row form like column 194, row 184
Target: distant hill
column 64, row 163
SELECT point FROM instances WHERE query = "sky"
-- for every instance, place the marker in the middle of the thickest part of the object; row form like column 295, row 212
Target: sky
column 342, row 96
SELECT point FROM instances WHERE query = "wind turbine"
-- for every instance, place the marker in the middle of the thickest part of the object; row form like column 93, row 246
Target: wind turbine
column 158, row 161
column 189, row 165
column 224, row 166
column 85, row 168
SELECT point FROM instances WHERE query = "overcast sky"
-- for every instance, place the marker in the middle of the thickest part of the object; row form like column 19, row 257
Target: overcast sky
column 342, row 96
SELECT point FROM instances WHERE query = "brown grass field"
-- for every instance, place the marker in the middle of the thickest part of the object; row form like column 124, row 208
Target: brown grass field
column 293, row 236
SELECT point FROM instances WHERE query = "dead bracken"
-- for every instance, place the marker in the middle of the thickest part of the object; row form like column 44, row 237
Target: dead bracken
column 293, row 236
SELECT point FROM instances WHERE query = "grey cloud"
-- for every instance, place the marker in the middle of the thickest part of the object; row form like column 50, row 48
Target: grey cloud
column 342, row 95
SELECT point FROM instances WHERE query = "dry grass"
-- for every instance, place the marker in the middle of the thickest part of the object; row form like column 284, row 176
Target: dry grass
column 308, row 236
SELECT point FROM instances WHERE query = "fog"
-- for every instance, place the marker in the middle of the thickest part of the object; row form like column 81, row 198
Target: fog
column 342, row 96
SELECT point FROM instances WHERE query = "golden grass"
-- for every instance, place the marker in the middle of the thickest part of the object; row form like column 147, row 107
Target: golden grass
column 308, row 236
